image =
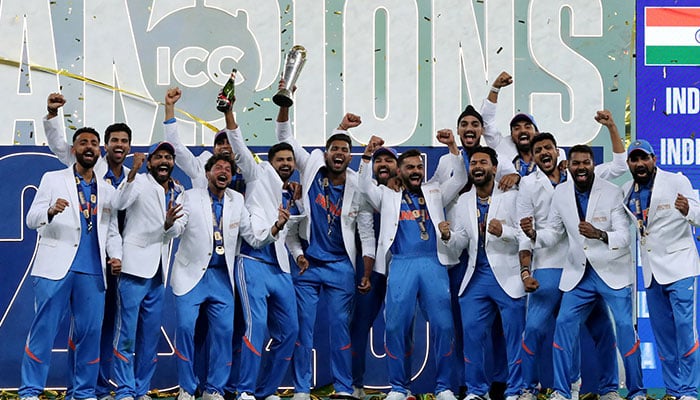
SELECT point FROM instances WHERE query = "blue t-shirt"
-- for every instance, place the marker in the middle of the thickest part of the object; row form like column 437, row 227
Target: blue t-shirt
column 582, row 202
column 217, row 260
column 113, row 180
column 237, row 183
column 407, row 241
column 87, row 258
column 482, row 260
column 326, row 239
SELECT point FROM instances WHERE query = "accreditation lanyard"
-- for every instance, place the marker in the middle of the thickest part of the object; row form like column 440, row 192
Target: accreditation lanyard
column 419, row 213
column 330, row 215
column 640, row 213
column 171, row 193
column 482, row 218
column 87, row 208
column 523, row 168
column 216, row 223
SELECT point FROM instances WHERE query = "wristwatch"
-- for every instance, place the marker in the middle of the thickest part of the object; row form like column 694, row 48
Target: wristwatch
column 603, row 236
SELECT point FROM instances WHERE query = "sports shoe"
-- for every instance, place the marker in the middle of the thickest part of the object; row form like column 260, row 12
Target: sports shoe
column 301, row 396
column 611, row 396
column 212, row 396
column 686, row 397
column 409, row 395
column 527, row 395
column 558, row 396
column 107, row 397
column 446, row 395
column 182, row 395
column 472, row 396
column 358, row 392
column 273, row 397
column 29, row 398
column 144, row 397
column 576, row 389
column 393, row 395
column 644, row 397
column 247, row 396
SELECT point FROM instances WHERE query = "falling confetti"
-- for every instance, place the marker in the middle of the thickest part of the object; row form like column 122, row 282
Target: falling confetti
column 500, row 49
column 426, row 18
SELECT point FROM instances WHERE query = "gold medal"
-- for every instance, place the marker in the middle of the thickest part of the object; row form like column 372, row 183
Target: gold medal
column 220, row 250
column 424, row 235
column 217, row 235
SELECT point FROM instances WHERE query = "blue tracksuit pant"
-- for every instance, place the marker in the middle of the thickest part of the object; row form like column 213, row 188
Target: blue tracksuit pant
column 367, row 307
column 337, row 281
column 268, row 303
column 83, row 295
column 576, row 305
column 212, row 294
column 426, row 279
column 140, row 305
column 542, row 309
column 672, row 309
column 482, row 299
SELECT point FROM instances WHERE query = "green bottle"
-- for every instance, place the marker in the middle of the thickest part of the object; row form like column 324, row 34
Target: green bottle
column 227, row 94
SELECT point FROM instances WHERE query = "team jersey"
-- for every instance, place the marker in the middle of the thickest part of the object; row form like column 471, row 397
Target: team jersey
column 326, row 239
column 416, row 233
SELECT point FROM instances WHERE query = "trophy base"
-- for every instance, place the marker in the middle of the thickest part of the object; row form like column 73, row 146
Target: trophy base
column 283, row 98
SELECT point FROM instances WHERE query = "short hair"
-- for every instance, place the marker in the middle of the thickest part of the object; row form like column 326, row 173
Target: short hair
column 339, row 136
column 486, row 150
column 84, row 130
column 406, row 154
column 118, row 127
column 542, row 136
column 277, row 148
column 581, row 148
column 216, row 158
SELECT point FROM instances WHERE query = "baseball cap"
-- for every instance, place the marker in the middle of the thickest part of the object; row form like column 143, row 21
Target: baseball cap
column 220, row 135
column 522, row 117
column 641, row 145
column 385, row 150
column 160, row 146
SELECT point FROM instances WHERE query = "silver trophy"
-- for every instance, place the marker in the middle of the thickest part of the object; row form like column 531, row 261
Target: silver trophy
column 292, row 68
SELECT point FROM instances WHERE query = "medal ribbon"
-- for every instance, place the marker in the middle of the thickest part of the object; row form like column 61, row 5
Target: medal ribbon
column 87, row 208
column 641, row 213
column 482, row 218
column 216, row 223
column 519, row 164
column 418, row 213
column 330, row 216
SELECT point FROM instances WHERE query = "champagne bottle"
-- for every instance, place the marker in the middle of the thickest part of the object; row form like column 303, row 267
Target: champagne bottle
column 227, row 94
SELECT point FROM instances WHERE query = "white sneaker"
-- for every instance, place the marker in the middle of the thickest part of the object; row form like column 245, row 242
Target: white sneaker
column 395, row 396
column 558, row 396
column 273, row 397
column 686, row 397
column 472, row 396
column 527, row 395
column 512, row 397
column 343, row 394
column 144, row 397
column 576, row 389
column 248, row 396
column 358, row 392
column 31, row 398
column 644, row 397
column 446, row 395
column 107, row 397
column 409, row 395
column 300, row 396
column 212, row 396
column 611, row 396
column 182, row 395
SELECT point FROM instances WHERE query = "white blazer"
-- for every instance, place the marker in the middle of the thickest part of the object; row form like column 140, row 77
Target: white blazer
column 502, row 252
column 191, row 165
column 197, row 236
column 612, row 261
column 263, row 193
column 55, row 137
column 388, row 202
column 668, row 251
column 145, row 244
column 59, row 238
column 355, row 214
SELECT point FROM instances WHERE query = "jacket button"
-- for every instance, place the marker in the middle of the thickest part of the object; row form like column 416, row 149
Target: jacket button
column 209, row 254
column 75, row 245
column 204, row 269
column 585, row 247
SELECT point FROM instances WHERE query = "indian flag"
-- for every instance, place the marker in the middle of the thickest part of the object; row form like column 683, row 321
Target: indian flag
column 672, row 36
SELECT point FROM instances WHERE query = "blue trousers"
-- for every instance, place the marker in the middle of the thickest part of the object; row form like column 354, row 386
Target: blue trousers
column 367, row 307
column 481, row 301
column 672, row 310
column 213, row 295
column 426, row 279
column 337, row 281
column 140, row 305
column 576, row 306
column 267, row 302
column 83, row 295
column 456, row 275
column 542, row 309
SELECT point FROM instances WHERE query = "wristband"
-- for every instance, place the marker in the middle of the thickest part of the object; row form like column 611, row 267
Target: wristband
column 366, row 157
column 495, row 89
column 524, row 274
column 277, row 226
column 52, row 111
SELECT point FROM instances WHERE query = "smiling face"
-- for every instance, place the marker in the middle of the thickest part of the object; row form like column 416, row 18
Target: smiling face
column 160, row 165
column 338, row 156
column 481, row 169
column 283, row 163
column 546, row 156
column 86, row 148
column 522, row 133
column 469, row 131
column 412, row 172
column 222, row 146
column 117, row 146
column 384, row 168
column 642, row 166
column 581, row 169
column 219, row 176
